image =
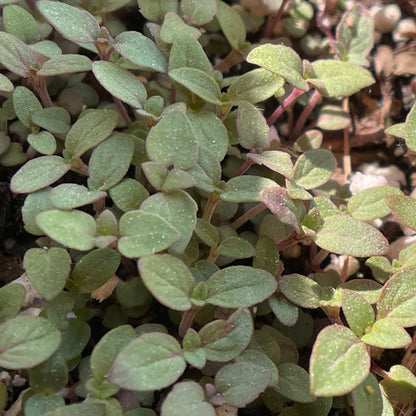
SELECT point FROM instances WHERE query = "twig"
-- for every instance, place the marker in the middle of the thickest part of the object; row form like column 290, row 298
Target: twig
column 273, row 20
column 248, row 215
column 280, row 110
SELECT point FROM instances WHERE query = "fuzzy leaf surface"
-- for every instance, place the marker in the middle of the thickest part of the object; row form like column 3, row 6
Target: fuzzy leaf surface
column 282, row 61
column 239, row 286
column 168, row 279
column 151, row 362
column 339, row 362
column 27, row 341
column 345, row 235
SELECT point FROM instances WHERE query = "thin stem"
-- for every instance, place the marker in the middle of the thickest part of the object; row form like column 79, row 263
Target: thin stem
column 281, row 109
column 312, row 102
column 233, row 58
column 378, row 370
column 248, row 215
column 40, row 86
column 213, row 255
column 287, row 242
column 212, row 202
column 273, row 20
column 187, row 320
column 346, row 158
column 80, row 167
column 31, row 4
column 122, row 111
column 243, row 168
column 320, row 257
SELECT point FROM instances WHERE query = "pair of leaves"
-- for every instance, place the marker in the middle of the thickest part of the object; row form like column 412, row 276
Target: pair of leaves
column 171, row 283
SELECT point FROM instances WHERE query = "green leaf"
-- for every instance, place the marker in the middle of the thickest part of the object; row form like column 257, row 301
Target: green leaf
column 110, row 161
column 80, row 409
column 140, row 50
column 236, row 247
column 294, row 383
column 128, row 194
column 95, row 269
column 54, row 119
column 206, row 232
column 239, row 286
column 397, row 300
column 46, row 48
column 355, row 33
column 288, row 211
column 14, row 155
column 345, row 235
column 245, row 188
column 210, row 133
column 400, row 384
column 5, row 84
column 25, row 104
column 65, row 64
column 252, row 128
column 386, row 333
column 403, row 207
column 88, row 131
column 107, row 348
column 275, row 160
column 74, row 338
column 231, row 24
column 72, row 23
column 313, row 168
column 172, row 141
column 320, row 407
column 38, row 173
column 15, row 55
column 50, row 376
column 74, row 229
column 133, row 293
column 179, row 210
column 198, row 82
column 339, row 362
column 143, row 233
column 156, row 9
column 168, row 279
column 358, row 311
column 255, row 86
column 333, row 117
column 198, row 13
column 409, row 128
column 399, row 129
column 340, row 78
column 12, row 296
column 368, row 289
column 187, row 52
column 20, row 23
column 186, row 399
column 285, row 311
column 70, row 195
column 282, row 61
column 47, row 270
column 301, row 290
column 27, row 341
column 35, row 204
column 242, row 382
column 267, row 255
column 120, row 83
column 224, row 340
column 39, row 404
column 173, row 26
column 366, row 398
column 370, row 203
column 151, row 362
column 311, row 139
column 43, row 142
column 207, row 171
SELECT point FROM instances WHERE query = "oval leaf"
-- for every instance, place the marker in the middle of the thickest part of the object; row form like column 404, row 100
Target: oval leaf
column 238, row 286
column 151, row 362
column 74, row 229
column 168, row 279
column 27, row 341
column 403, row 207
column 339, row 362
column 120, row 83
column 38, row 173
column 345, row 235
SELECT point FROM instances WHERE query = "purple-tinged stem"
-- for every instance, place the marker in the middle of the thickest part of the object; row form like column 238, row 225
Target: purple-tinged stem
column 274, row 19
column 282, row 107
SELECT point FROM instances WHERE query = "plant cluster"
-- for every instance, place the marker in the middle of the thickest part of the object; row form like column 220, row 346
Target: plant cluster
column 181, row 244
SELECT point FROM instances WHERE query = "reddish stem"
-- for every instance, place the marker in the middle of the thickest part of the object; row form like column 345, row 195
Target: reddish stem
column 312, row 102
column 122, row 111
column 273, row 20
column 282, row 107
column 243, row 168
